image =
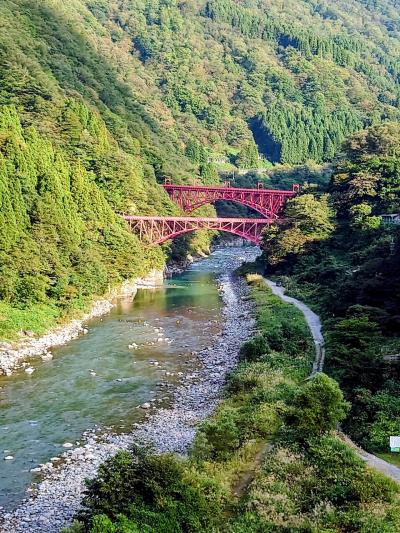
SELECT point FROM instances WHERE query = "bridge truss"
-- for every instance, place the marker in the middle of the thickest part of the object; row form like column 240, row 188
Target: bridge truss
column 156, row 230
column 268, row 202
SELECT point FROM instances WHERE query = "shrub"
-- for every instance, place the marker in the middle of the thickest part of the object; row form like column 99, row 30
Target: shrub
column 218, row 436
column 254, row 349
column 317, row 408
column 151, row 491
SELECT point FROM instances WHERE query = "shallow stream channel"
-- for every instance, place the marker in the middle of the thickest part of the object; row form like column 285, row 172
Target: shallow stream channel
column 131, row 363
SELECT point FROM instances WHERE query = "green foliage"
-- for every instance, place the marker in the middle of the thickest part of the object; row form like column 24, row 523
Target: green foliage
column 232, row 481
column 374, row 417
column 311, row 134
column 362, row 219
column 38, row 318
column 196, row 152
column 326, row 488
column 102, row 100
column 300, row 80
column 367, row 180
column 351, row 276
column 209, row 174
column 254, row 349
column 136, row 491
column 305, row 118
column 248, row 156
column 317, row 408
column 308, row 219
column 60, row 241
column 356, row 357
column 219, row 436
column 310, row 481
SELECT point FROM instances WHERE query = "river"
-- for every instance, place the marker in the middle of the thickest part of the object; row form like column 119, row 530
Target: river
column 100, row 379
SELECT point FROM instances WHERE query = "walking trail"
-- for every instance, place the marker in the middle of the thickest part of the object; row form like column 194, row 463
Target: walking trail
column 314, row 323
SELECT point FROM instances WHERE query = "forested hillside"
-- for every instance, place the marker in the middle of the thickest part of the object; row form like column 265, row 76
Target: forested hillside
column 336, row 252
column 101, row 99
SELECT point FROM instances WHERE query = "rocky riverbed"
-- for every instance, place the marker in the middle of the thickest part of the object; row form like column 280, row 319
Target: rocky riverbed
column 57, row 498
column 16, row 355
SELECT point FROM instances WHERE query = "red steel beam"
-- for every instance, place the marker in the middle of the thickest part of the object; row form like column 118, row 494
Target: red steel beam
column 156, row 230
column 268, row 202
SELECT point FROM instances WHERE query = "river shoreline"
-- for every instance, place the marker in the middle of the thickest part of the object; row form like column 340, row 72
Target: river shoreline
column 16, row 355
column 58, row 496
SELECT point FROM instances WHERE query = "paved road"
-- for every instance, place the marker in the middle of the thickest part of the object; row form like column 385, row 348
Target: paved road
column 314, row 323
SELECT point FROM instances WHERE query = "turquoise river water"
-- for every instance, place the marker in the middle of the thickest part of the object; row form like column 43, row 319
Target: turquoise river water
column 97, row 380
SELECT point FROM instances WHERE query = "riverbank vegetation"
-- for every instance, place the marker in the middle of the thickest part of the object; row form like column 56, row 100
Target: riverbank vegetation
column 344, row 261
column 268, row 459
column 100, row 100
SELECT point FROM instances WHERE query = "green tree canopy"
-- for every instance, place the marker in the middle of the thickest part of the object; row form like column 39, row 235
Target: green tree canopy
column 317, row 407
column 308, row 219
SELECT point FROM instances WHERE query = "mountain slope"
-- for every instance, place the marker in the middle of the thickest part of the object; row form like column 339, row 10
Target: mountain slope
column 302, row 75
column 100, row 100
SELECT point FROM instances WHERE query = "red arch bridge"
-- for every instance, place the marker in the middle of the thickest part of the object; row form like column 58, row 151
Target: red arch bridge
column 156, row 230
column 268, row 202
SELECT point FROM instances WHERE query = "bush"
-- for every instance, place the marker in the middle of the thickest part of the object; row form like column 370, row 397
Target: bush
column 151, row 491
column 254, row 349
column 325, row 488
column 317, row 408
column 218, row 436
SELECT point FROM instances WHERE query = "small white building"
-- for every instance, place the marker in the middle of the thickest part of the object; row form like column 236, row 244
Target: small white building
column 391, row 219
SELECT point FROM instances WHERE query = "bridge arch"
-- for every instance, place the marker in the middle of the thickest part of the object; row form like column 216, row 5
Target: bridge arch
column 238, row 233
column 261, row 210
column 267, row 202
column 156, row 230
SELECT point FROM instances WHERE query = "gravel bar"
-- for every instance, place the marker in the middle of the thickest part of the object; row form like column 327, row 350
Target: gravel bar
column 57, row 498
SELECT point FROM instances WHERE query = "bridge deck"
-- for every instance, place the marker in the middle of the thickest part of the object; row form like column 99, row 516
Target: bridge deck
column 263, row 221
column 217, row 188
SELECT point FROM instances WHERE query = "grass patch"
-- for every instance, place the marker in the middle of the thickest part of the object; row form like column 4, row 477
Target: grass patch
column 393, row 458
column 38, row 318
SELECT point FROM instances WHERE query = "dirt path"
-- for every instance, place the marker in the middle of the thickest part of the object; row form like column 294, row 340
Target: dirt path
column 314, row 323
column 383, row 466
column 247, row 477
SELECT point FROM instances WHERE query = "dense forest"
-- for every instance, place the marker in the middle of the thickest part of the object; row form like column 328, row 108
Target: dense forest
column 336, row 252
column 100, row 100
